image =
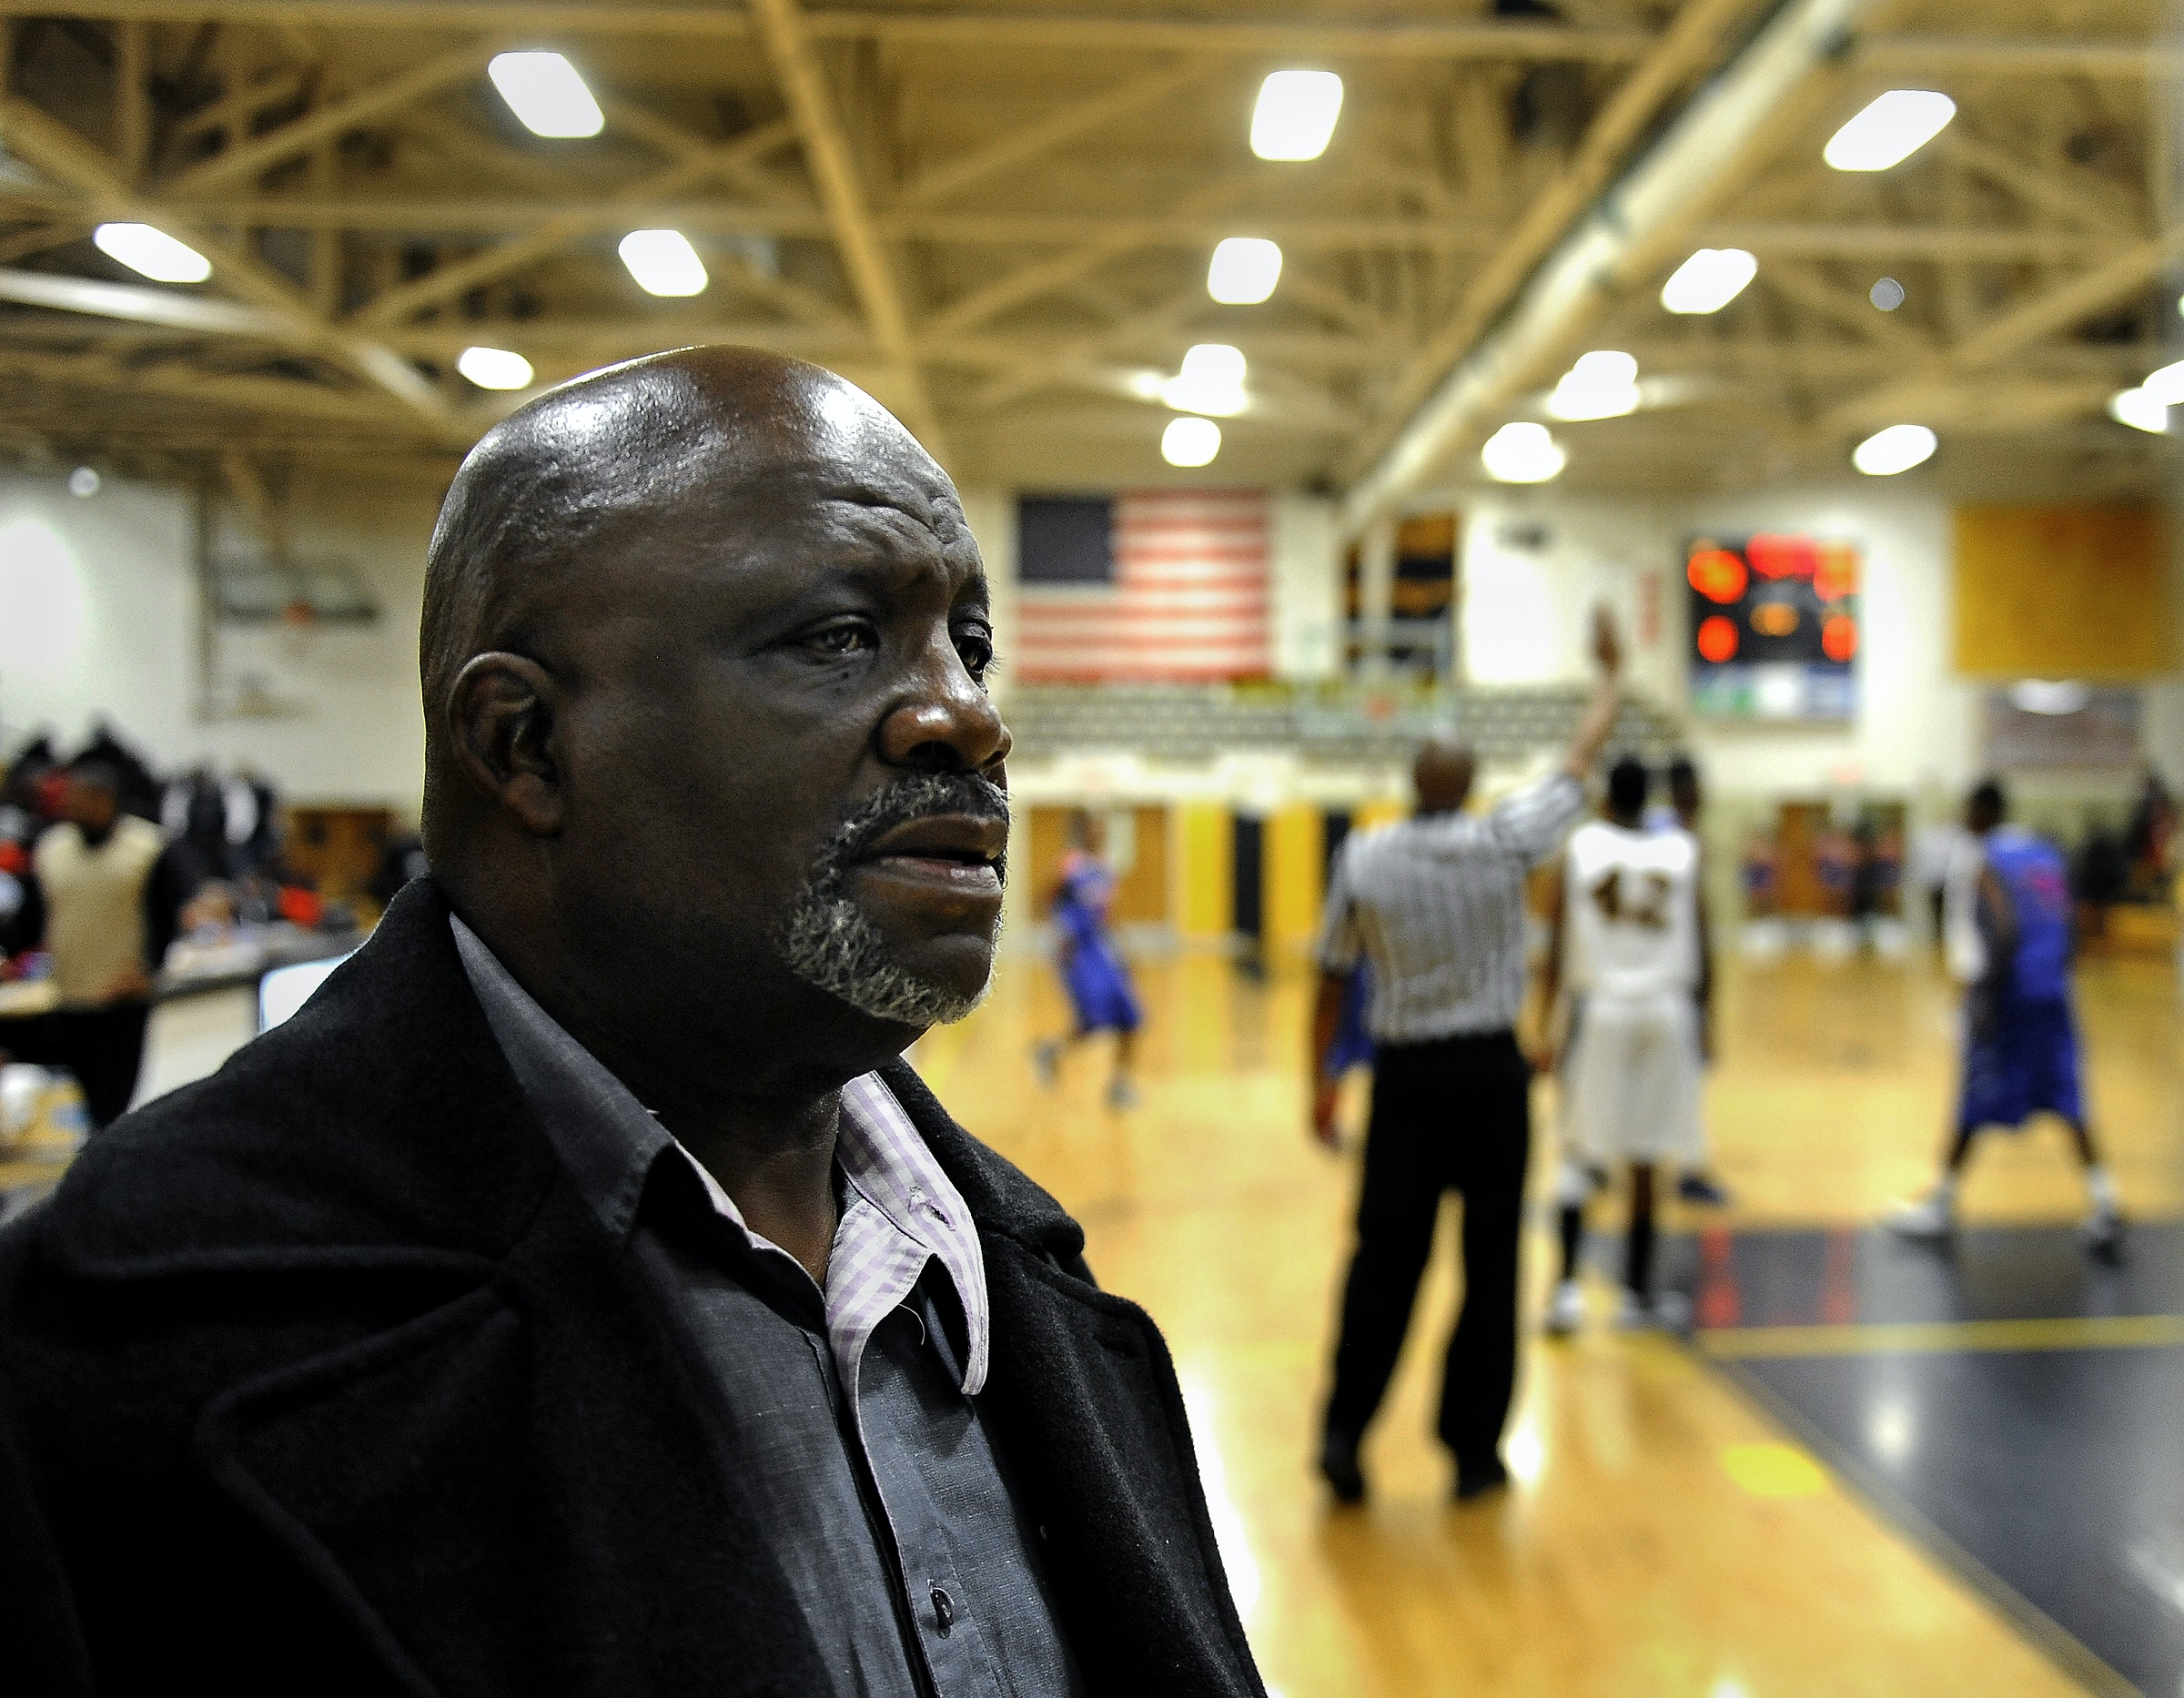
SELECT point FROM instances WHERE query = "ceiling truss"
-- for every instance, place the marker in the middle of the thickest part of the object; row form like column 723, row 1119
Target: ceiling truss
column 999, row 222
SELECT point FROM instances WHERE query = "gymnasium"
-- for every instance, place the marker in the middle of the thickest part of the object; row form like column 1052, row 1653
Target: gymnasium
column 1319, row 379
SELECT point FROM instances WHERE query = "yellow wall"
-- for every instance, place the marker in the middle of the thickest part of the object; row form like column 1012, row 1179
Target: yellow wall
column 1295, row 850
column 1205, row 905
column 2062, row 592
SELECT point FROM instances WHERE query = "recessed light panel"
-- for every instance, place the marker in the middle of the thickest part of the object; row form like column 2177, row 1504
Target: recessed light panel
column 1295, row 117
column 495, row 367
column 547, row 95
column 1244, row 271
column 1522, row 452
column 152, row 253
column 663, row 262
column 1190, row 441
column 1891, row 128
column 1897, row 449
column 1709, row 280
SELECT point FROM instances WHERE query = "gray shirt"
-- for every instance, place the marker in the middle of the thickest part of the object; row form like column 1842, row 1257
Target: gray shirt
column 1437, row 902
column 913, row 1562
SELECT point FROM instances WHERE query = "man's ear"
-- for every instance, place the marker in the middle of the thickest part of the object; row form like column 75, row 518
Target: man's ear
column 501, row 715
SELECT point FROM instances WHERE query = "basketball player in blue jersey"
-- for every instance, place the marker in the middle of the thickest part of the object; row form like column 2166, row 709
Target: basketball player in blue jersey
column 1102, row 995
column 2008, row 937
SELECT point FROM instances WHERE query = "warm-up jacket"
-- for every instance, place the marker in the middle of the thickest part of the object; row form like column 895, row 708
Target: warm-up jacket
column 319, row 1376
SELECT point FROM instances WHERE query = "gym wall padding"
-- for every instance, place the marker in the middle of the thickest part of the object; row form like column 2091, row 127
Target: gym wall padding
column 1294, row 873
column 2062, row 592
column 1203, row 905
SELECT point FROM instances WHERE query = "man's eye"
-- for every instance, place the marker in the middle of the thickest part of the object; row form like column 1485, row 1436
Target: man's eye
column 845, row 639
column 975, row 643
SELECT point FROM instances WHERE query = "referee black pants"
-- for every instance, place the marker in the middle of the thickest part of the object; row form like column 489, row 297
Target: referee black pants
column 1451, row 1115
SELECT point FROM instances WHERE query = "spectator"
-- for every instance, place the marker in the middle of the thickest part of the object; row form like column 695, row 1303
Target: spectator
column 105, row 899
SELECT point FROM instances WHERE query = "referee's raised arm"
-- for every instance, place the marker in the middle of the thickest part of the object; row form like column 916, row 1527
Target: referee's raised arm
column 1607, row 698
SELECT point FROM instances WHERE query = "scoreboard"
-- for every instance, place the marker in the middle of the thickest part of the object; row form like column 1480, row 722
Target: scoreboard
column 1773, row 626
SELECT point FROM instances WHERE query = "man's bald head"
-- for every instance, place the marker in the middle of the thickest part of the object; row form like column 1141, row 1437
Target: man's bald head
column 1442, row 773
column 560, row 484
column 710, row 764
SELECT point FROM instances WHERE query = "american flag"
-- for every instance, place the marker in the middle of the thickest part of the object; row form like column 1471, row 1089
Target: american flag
column 1151, row 586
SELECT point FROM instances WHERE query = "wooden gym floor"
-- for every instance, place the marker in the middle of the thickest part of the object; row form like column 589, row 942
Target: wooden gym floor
column 1676, row 1528
column 1883, row 1471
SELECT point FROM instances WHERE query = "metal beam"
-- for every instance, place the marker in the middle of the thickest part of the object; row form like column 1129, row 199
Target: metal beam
column 141, row 306
column 636, row 206
column 407, row 299
column 640, row 205
column 132, row 101
column 786, row 34
column 2022, row 55
column 1903, row 241
column 951, row 176
column 1455, row 38
column 49, row 146
column 75, row 373
column 1053, row 272
column 1846, row 307
column 1722, row 132
column 1182, row 229
column 2078, row 198
column 1695, row 40
column 2011, row 333
column 330, row 122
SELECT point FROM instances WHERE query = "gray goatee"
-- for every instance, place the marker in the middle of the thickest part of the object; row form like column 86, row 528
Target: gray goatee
column 828, row 941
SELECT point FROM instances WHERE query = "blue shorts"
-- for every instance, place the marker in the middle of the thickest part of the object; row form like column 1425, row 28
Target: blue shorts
column 1100, row 990
column 2025, row 1061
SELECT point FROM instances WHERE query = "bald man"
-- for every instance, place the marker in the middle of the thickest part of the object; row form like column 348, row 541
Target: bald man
column 579, row 1295
column 1437, row 903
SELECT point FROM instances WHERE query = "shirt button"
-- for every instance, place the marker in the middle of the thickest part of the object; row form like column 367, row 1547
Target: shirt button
column 944, row 1609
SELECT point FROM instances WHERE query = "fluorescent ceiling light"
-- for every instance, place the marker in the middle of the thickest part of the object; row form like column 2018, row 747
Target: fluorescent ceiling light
column 1601, row 385
column 2042, row 695
column 2141, row 409
column 1244, row 271
column 1891, row 128
column 1190, row 441
column 1523, row 453
column 1897, row 449
column 663, row 262
column 1296, row 114
column 544, row 92
column 1211, row 382
column 1709, row 280
column 2167, row 385
column 494, row 369
column 152, row 253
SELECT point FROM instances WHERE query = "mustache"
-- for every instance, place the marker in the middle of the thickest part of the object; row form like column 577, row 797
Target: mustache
column 921, row 796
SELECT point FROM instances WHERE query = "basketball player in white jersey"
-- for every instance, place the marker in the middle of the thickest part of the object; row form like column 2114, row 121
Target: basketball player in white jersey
column 1630, row 947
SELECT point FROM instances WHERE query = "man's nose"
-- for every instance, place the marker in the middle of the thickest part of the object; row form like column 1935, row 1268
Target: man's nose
column 945, row 720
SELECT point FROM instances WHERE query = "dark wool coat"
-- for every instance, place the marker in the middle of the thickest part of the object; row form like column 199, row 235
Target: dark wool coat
column 320, row 1376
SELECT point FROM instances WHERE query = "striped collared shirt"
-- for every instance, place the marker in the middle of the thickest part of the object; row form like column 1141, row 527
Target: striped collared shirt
column 900, row 1212
column 1438, row 905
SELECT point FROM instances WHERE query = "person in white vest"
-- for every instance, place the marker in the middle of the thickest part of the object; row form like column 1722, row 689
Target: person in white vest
column 111, row 893
column 1630, row 947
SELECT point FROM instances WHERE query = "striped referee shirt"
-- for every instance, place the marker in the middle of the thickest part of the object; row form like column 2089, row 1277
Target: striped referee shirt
column 1438, row 905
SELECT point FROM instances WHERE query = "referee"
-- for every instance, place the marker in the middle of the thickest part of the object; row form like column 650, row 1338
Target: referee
column 1437, row 901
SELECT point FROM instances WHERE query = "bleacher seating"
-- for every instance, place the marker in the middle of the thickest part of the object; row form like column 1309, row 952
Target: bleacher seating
column 1333, row 723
